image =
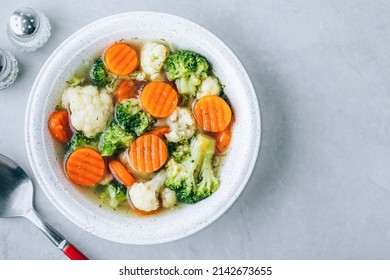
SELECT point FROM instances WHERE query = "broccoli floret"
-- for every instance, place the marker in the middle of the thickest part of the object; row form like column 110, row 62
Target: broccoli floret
column 187, row 69
column 185, row 63
column 113, row 138
column 179, row 151
column 187, row 87
column 194, row 178
column 114, row 192
column 131, row 117
column 79, row 140
column 99, row 74
column 117, row 193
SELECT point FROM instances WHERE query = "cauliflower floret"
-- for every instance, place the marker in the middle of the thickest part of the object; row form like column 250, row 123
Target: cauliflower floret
column 168, row 197
column 153, row 56
column 182, row 125
column 209, row 86
column 144, row 196
column 90, row 109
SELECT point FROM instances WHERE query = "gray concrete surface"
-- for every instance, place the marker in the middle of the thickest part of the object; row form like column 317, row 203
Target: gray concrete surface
column 321, row 185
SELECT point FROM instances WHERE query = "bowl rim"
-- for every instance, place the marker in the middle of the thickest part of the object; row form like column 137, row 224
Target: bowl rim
column 29, row 125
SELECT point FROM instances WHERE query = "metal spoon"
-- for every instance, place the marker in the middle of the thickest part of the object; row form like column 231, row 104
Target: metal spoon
column 16, row 200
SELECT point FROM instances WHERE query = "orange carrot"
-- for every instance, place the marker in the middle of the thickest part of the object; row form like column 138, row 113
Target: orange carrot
column 121, row 59
column 160, row 131
column 159, row 99
column 127, row 89
column 212, row 113
column 120, row 173
column 223, row 137
column 59, row 126
column 85, row 167
column 148, row 153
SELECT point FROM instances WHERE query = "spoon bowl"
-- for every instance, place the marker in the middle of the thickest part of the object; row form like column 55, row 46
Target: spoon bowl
column 16, row 200
column 16, row 190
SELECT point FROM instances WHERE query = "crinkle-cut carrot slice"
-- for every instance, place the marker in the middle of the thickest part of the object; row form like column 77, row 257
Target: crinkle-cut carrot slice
column 121, row 59
column 212, row 113
column 148, row 153
column 85, row 167
column 159, row 99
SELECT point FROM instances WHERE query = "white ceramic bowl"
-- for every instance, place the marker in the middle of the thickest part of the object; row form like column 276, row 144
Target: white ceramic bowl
column 47, row 165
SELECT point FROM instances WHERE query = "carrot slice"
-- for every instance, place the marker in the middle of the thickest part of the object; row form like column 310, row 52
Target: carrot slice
column 121, row 59
column 59, row 126
column 223, row 138
column 85, row 167
column 159, row 99
column 148, row 153
column 160, row 131
column 212, row 113
column 120, row 173
column 127, row 89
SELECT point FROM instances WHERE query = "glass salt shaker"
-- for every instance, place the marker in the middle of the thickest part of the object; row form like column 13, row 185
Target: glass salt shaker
column 8, row 69
column 28, row 29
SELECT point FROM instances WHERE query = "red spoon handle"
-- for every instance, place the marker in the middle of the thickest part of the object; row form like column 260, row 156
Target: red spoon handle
column 73, row 253
column 55, row 237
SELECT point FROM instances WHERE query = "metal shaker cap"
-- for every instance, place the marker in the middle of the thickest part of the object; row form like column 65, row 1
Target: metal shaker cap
column 24, row 22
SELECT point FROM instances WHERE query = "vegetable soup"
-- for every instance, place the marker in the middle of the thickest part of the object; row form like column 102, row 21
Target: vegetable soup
column 144, row 127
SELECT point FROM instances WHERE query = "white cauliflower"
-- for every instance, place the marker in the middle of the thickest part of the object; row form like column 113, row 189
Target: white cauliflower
column 144, row 196
column 90, row 109
column 168, row 197
column 153, row 56
column 209, row 86
column 182, row 125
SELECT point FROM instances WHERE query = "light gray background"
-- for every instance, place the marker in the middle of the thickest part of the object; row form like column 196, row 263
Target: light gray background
column 321, row 185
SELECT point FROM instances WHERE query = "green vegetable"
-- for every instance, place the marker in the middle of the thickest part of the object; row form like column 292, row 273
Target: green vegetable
column 179, row 151
column 79, row 140
column 194, row 178
column 99, row 74
column 113, row 138
column 187, row 69
column 114, row 192
column 187, row 87
column 131, row 117
column 75, row 81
